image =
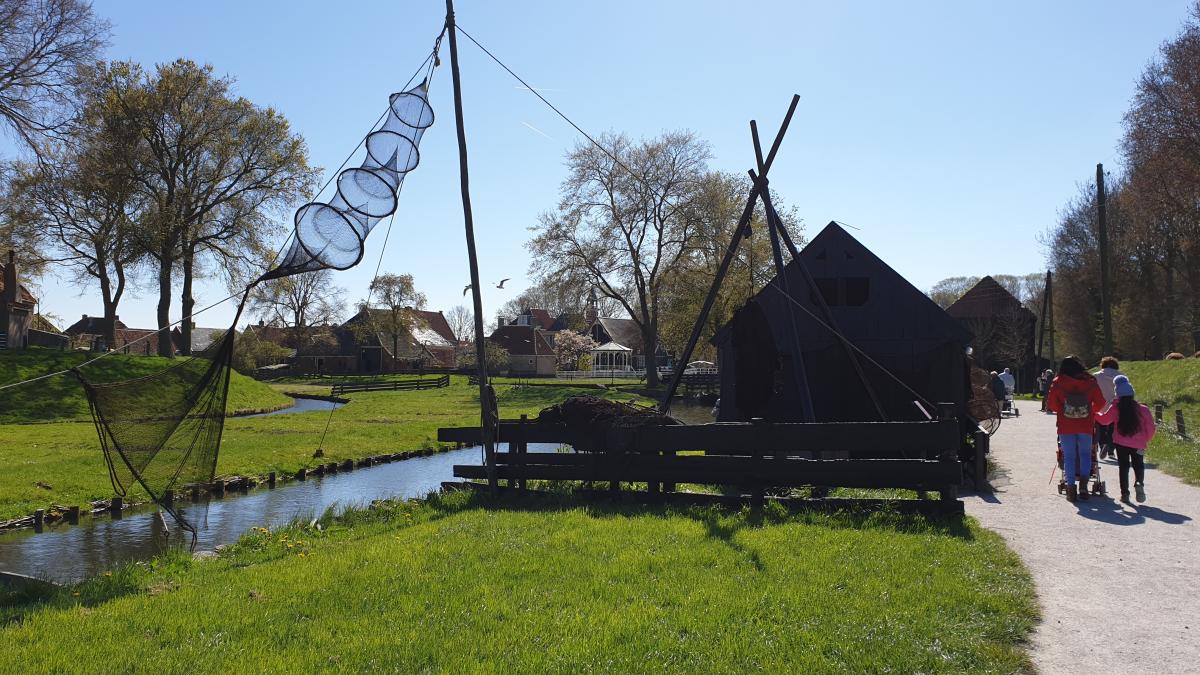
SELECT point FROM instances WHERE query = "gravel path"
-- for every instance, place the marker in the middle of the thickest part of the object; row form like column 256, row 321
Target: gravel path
column 1119, row 585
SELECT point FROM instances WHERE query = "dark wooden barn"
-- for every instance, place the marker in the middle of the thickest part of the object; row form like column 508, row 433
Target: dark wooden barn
column 1002, row 328
column 891, row 321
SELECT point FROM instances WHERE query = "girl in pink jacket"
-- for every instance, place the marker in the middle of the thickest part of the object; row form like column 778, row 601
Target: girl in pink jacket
column 1132, row 433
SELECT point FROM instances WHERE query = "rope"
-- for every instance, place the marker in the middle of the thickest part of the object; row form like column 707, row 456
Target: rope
column 560, row 113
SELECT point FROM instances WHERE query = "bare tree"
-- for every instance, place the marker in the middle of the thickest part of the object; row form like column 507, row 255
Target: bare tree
column 462, row 323
column 42, row 44
column 299, row 302
column 624, row 233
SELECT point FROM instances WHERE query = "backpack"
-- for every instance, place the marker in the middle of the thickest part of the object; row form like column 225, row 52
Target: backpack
column 1077, row 405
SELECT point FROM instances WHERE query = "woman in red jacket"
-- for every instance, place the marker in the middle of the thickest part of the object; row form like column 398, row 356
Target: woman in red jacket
column 1075, row 398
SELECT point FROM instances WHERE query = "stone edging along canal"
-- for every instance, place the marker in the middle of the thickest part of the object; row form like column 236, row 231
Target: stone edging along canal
column 59, row 514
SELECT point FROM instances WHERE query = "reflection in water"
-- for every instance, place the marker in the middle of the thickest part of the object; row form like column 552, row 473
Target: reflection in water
column 70, row 553
column 301, row 405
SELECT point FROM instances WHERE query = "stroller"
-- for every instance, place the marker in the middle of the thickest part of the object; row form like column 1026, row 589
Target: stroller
column 1096, row 486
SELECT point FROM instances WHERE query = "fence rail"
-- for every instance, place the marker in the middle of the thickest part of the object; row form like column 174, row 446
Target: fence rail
column 392, row 385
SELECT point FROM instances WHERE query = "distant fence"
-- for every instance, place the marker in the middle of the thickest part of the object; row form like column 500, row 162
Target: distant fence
column 392, row 385
column 600, row 374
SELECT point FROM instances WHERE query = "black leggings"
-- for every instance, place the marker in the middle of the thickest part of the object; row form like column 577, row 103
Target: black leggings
column 1126, row 456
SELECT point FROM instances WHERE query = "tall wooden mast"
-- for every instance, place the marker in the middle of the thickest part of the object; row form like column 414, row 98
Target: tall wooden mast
column 487, row 401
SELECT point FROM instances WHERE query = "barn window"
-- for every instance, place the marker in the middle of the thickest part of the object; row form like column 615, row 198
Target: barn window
column 828, row 288
column 858, row 289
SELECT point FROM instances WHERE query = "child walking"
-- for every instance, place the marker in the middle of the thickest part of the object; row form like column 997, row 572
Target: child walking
column 1075, row 398
column 1132, row 433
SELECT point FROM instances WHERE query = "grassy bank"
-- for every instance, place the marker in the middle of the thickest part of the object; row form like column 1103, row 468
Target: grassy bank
column 1175, row 384
column 66, row 456
column 535, row 586
column 61, row 397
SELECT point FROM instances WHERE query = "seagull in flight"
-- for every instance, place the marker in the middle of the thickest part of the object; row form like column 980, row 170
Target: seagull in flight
column 467, row 288
column 501, row 284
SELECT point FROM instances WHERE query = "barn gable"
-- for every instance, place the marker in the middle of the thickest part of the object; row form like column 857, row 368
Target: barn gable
column 879, row 311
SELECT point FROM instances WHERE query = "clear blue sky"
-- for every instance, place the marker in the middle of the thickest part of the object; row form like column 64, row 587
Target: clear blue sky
column 949, row 133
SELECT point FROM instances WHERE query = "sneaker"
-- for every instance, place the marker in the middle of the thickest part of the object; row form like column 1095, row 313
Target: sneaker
column 1125, row 497
column 1141, row 491
column 1070, row 493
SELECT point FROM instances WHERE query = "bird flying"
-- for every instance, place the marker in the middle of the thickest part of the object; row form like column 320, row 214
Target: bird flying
column 467, row 288
column 501, row 284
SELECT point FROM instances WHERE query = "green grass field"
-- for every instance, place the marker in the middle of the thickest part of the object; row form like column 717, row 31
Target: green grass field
column 62, row 398
column 457, row 584
column 1176, row 384
column 66, row 455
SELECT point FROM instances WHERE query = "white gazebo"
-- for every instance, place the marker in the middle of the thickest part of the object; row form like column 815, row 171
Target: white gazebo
column 611, row 356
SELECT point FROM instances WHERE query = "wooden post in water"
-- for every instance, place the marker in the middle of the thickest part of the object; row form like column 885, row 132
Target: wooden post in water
column 168, row 498
column 73, row 515
column 115, row 506
column 487, row 422
column 271, row 480
column 39, row 520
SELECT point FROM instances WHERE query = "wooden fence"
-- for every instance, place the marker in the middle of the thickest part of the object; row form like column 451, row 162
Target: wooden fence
column 921, row 456
column 391, row 385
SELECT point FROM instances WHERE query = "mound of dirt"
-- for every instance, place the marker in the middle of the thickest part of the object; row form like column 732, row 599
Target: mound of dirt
column 594, row 416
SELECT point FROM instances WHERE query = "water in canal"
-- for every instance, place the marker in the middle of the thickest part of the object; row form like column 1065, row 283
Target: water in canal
column 69, row 553
column 300, row 405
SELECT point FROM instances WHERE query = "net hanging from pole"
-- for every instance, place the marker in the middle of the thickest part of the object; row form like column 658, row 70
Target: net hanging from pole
column 332, row 234
column 163, row 431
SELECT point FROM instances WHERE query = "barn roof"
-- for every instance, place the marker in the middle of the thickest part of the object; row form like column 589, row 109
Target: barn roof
column 987, row 298
column 897, row 309
column 521, row 340
column 436, row 322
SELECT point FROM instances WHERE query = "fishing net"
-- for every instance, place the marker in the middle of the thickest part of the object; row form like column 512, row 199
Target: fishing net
column 983, row 406
column 163, row 431
column 332, row 234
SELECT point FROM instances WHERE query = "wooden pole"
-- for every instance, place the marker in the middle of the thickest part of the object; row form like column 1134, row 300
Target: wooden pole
column 1179, row 425
column 1105, row 291
column 1042, row 321
column 738, row 233
column 487, row 420
column 1050, row 302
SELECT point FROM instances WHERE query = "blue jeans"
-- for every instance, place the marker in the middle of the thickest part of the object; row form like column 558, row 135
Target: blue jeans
column 1072, row 444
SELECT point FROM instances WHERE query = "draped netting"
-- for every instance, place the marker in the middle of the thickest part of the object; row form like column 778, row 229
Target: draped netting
column 163, row 431
column 332, row 234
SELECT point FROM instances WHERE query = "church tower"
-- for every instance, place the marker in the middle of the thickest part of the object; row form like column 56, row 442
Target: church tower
column 591, row 314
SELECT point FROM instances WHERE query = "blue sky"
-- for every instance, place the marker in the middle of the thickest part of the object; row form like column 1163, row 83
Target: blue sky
column 948, row 133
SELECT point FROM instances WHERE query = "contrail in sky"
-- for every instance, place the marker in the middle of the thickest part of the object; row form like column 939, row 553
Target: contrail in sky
column 536, row 88
column 537, row 130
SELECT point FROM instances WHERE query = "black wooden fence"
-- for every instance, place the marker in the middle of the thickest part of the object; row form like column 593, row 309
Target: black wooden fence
column 391, row 385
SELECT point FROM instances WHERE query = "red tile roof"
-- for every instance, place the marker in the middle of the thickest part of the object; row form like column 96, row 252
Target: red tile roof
column 437, row 323
column 521, row 340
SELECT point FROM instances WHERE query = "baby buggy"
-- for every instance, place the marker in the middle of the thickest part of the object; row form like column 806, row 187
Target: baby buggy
column 1093, row 482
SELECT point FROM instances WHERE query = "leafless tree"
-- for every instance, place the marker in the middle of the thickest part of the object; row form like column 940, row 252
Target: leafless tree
column 622, row 227
column 42, row 44
column 462, row 323
column 300, row 303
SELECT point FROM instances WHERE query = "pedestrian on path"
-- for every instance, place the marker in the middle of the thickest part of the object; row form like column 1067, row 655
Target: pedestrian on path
column 1109, row 370
column 1075, row 398
column 1133, row 427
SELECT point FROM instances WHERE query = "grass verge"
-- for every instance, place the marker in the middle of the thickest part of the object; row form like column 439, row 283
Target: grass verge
column 1176, row 385
column 61, row 398
column 67, row 458
column 549, row 585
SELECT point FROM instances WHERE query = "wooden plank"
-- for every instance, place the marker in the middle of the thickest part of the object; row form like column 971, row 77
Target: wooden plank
column 864, row 473
column 911, row 440
column 914, row 438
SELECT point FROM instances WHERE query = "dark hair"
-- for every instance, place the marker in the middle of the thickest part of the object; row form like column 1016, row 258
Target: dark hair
column 1109, row 362
column 1129, row 418
column 1071, row 367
